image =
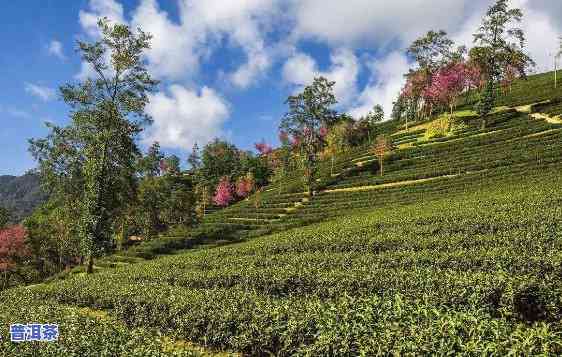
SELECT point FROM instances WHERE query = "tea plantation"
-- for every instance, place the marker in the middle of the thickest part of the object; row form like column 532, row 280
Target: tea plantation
column 457, row 249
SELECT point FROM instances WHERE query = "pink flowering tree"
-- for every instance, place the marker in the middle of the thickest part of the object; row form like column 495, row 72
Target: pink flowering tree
column 473, row 76
column 244, row 186
column 447, row 85
column 414, row 91
column 223, row 194
column 263, row 148
column 12, row 250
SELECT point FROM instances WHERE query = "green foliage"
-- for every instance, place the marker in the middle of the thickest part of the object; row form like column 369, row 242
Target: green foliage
column 149, row 164
column 53, row 237
column 434, row 50
column 4, row 217
column 486, row 102
column 164, row 202
column 309, row 113
column 20, row 195
column 219, row 159
column 438, row 128
column 150, row 199
column 457, row 275
column 83, row 332
column 501, row 42
column 92, row 161
column 194, row 159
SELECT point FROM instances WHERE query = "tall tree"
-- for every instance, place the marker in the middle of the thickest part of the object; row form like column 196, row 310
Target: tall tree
column 194, row 159
column 434, row 50
column 150, row 199
column 98, row 148
column 447, row 85
column 377, row 114
column 149, row 165
column 172, row 165
column 501, row 42
column 309, row 112
column 219, row 159
column 178, row 201
column 224, row 192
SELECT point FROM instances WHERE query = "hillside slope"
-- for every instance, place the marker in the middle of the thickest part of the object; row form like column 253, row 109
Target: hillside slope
column 456, row 249
column 20, row 194
column 475, row 273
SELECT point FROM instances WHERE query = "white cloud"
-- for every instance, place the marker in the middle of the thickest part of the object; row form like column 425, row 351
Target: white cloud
column 42, row 92
column 376, row 21
column 55, row 49
column 542, row 35
column 173, row 52
column 111, row 9
column 550, row 8
column 179, row 47
column 385, row 84
column 184, row 116
column 540, row 30
column 243, row 23
column 300, row 70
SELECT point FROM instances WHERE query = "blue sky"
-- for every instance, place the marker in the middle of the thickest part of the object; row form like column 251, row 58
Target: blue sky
column 228, row 66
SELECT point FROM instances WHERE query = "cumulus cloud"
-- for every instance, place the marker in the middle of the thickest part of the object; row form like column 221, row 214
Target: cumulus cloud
column 269, row 31
column 377, row 22
column 110, row 9
column 538, row 25
column 173, row 53
column 300, row 70
column 184, row 116
column 42, row 92
column 178, row 47
column 55, row 49
column 245, row 24
column 384, row 86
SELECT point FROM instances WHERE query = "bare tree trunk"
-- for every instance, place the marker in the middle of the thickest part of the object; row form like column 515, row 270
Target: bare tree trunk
column 90, row 267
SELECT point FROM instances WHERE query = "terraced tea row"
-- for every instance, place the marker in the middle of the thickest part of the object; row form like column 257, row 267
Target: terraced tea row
column 474, row 273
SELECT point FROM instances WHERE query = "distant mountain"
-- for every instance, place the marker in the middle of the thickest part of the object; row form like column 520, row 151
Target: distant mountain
column 20, row 194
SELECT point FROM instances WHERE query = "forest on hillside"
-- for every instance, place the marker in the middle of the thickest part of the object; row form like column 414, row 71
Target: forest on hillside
column 20, row 195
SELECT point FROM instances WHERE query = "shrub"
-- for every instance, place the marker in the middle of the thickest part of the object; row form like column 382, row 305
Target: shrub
column 438, row 128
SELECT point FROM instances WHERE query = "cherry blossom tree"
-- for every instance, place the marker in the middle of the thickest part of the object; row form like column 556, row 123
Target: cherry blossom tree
column 223, row 194
column 12, row 250
column 447, row 84
column 263, row 148
column 244, row 186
